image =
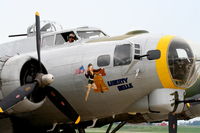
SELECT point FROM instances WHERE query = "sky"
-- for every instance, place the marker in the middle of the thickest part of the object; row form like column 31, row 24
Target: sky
column 114, row 17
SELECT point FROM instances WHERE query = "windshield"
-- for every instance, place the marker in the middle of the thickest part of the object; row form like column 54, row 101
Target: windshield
column 90, row 34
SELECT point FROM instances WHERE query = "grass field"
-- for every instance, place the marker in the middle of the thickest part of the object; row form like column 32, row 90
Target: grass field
column 146, row 129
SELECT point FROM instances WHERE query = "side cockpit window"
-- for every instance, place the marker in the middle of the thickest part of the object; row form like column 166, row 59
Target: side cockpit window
column 48, row 41
column 103, row 60
column 67, row 37
column 90, row 34
column 60, row 39
column 122, row 55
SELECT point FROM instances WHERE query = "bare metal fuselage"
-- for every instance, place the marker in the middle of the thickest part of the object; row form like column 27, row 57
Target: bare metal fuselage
column 139, row 77
column 63, row 61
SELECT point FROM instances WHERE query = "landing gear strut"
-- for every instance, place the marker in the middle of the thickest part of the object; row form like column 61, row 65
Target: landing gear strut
column 63, row 128
column 81, row 130
column 116, row 128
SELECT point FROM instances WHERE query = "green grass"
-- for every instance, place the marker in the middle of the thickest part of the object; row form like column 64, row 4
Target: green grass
column 146, row 129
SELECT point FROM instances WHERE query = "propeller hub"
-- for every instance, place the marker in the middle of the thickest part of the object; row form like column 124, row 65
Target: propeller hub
column 44, row 79
column 47, row 79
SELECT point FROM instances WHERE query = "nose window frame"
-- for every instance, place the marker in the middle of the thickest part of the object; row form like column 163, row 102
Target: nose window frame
column 180, row 66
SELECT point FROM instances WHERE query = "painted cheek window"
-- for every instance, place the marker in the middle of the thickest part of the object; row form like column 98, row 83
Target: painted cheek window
column 103, row 60
column 122, row 55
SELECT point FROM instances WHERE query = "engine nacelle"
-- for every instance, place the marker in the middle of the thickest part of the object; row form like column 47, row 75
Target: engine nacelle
column 15, row 72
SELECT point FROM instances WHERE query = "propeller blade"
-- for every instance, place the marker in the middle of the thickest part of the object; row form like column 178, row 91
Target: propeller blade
column 172, row 123
column 38, row 37
column 16, row 96
column 62, row 104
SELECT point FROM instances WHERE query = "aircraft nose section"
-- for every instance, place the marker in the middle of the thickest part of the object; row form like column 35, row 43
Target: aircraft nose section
column 177, row 66
column 182, row 64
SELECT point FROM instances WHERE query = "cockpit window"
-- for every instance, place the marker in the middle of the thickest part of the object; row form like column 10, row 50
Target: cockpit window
column 122, row 55
column 90, row 34
column 62, row 38
column 181, row 62
column 48, row 41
